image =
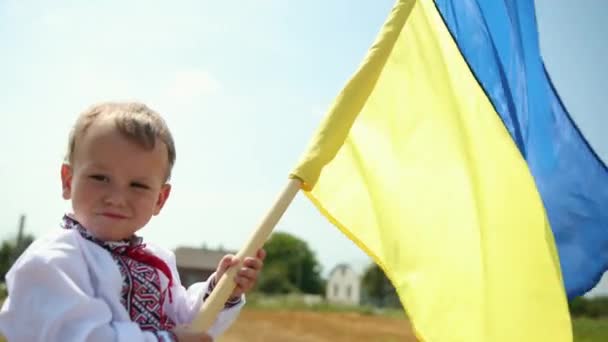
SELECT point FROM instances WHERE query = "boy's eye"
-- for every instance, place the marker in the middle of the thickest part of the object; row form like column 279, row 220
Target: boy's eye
column 100, row 178
column 139, row 185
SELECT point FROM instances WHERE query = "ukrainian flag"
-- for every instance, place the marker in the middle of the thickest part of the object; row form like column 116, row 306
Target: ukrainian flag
column 450, row 160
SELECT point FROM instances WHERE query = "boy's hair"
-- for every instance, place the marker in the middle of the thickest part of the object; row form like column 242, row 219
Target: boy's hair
column 135, row 120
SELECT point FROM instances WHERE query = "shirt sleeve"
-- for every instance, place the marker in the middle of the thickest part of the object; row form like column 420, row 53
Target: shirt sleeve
column 49, row 300
column 188, row 302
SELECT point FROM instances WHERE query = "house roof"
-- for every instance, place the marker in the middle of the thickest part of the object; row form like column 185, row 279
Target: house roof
column 199, row 258
column 341, row 267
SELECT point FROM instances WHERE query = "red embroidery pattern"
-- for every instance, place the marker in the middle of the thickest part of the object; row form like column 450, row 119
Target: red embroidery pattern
column 141, row 293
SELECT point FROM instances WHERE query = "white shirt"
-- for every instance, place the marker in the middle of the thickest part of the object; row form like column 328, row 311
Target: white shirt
column 67, row 288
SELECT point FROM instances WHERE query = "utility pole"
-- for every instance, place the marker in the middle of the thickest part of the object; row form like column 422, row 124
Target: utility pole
column 19, row 242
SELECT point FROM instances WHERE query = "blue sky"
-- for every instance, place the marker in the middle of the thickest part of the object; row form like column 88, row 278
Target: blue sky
column 242, row 86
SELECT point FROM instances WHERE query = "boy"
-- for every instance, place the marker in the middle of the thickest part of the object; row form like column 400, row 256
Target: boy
column 95, row 280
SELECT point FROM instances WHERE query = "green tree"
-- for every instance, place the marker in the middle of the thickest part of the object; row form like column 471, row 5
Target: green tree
column 274, row 280
column 290, row 266
column 596, row 307
column 10, row 250
column 6, row 251
column 377, row 288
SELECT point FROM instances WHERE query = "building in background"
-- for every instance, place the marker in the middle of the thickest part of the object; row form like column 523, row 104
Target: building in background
column 343, row 286
column 197, row 264
column 601, row 289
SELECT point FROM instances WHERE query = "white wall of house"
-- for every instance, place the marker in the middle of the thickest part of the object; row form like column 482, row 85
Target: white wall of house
column 601, row 289
column 343, row 286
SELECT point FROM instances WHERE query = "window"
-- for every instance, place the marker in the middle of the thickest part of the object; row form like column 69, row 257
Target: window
column 336, row 290
column 348, row 291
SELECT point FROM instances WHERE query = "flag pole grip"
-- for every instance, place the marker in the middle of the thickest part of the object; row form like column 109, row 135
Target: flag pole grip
column 220, row 294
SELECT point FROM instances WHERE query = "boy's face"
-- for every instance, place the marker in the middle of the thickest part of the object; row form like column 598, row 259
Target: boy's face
column 115, row 184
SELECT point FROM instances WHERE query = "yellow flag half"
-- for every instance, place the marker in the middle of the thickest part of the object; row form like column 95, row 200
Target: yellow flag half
column 414, row 165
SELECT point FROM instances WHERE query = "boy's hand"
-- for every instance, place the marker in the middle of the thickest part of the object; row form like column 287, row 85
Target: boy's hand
column 247, row 276
column 184, row 334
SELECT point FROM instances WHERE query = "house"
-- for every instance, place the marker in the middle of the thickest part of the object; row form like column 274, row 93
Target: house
column 600, row 289
column 343, row 286
column 197, row 264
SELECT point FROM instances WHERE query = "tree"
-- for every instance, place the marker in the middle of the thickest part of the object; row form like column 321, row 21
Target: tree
column 377, row 288
column 290, row 266
column 596, row 307
column 274, row 280
column 6, row 251
column 10, row 250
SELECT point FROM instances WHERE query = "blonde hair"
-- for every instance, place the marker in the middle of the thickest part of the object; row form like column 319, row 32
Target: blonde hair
column 134, row 120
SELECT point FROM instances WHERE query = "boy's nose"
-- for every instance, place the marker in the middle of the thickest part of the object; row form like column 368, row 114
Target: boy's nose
column 116, row 198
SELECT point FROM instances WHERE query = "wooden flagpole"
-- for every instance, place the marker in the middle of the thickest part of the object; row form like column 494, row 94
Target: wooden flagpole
column 215, row 302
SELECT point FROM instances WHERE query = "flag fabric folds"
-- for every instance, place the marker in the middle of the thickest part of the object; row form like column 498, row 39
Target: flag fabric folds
column 500, row 43
column 414, row 164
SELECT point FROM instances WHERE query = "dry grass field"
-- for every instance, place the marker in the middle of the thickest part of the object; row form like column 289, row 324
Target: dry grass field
column 257, row 325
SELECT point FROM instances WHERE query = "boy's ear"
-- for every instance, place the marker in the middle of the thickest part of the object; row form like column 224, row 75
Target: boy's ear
column 66, row 181
column 163, row 194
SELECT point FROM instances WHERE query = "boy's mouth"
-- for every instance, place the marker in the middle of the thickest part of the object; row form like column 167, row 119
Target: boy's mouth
column 113, row 216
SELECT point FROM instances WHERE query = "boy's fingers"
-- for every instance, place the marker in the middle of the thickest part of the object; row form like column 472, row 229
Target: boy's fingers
column 235, row 261
column 228, row 261
column 256, row 264
column 261, row 254
column 243, row 285
column 248, row 273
